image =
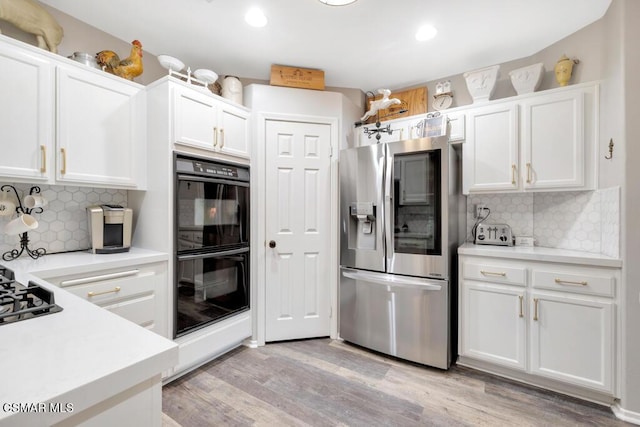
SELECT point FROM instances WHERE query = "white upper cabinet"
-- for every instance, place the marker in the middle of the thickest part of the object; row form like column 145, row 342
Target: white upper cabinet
column 490, row 155
column 206, row 122
column 62, row 122
column 100, row 122
column 233, row 137
column 544, row 141
column 553, row 143
column 195, row 117
column 26, row 116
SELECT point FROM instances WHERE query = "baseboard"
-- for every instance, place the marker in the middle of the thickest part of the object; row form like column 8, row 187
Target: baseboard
column 625, row 415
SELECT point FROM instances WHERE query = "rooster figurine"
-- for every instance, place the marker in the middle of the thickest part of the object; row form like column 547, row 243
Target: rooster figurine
column 127, row 68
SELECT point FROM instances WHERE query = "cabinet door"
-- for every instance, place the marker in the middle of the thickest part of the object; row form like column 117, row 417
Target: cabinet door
column 490, row 157
column 194, row 119
column 493, row 324
column 26, row 114
column 553, row 143
column 572, row 340
column 101, row 122
column 233, row 131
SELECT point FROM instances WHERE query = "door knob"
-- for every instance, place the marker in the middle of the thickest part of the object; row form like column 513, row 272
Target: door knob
column 272, row 244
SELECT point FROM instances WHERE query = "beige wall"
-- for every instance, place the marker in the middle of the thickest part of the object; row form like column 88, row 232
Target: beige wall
column 80, row 37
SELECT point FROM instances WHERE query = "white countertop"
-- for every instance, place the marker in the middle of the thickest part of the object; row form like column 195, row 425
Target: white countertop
column 538, row 253
column 81, row 355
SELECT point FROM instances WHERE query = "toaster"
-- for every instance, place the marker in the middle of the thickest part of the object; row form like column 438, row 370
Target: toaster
column 494, row 234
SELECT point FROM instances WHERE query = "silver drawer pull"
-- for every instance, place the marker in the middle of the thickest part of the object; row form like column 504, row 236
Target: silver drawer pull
column 492, row 273
column 99, row 278
column 112, row 291
column 569, row 282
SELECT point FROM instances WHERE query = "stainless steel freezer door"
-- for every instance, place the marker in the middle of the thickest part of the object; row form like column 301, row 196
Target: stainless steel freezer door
column 362, row 216
column 402, row 316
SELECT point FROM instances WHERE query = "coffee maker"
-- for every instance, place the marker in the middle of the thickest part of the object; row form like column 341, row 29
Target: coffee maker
column 109, row 228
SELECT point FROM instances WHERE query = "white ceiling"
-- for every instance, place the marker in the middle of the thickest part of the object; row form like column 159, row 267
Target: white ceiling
column 366, row 45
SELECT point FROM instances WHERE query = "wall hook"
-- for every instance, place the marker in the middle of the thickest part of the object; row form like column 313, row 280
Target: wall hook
column 610, row 156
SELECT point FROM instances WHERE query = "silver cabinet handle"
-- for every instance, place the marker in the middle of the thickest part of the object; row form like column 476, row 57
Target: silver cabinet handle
column 535, row 309
column 94, row 294
column 570, row 282
column 215, row 136
column 90, row 279
column 491, row 273
column 221, row 138
column 528, row 173
column 521, row 298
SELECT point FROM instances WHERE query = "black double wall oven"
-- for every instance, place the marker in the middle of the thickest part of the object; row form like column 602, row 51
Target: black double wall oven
column 211, row 241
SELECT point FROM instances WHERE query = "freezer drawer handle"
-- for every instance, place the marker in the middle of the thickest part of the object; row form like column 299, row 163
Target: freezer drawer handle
column 395, row 281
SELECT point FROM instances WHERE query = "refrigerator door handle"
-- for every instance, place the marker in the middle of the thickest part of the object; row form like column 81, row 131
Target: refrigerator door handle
column 388, row 203
column 392, row 280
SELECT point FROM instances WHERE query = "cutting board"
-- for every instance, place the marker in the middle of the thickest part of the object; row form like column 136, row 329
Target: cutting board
column 412, row 100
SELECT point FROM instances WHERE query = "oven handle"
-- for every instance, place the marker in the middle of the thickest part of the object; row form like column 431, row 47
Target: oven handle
column 212, row 254
column 212, row 180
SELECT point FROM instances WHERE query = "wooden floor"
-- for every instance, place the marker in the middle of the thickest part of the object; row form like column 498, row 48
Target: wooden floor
column 330, row 383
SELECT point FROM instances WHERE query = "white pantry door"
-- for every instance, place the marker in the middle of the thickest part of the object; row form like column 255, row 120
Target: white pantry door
column 298, row 206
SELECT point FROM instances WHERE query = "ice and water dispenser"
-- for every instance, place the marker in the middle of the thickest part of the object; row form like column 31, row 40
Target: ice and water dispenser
column 362, row 227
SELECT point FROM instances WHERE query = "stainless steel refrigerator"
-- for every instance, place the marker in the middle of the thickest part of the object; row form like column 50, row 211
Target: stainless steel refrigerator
column 399, row 228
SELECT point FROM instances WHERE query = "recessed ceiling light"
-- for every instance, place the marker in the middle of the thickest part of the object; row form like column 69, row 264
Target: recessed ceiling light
column 255, row 18
column 337, row 2
column 426, row 32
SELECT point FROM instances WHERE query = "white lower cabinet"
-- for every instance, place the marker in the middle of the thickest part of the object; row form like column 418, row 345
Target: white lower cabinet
column 136, row 293
column 572, row 340
column 546, row 320
column 485, row 333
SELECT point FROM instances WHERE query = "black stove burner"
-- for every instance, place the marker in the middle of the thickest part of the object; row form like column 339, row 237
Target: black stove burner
column 19, row 302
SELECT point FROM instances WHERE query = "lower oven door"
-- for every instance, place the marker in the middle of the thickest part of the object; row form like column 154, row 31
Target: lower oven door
column 210, row 287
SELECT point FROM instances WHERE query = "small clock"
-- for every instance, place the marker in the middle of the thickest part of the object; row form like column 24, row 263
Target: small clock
column 442, row 101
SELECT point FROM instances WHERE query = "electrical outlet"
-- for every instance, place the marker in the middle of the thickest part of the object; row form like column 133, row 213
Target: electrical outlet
column 478, row 211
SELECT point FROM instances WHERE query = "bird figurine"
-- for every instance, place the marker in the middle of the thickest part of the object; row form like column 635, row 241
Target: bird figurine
column 380, row 104
column 127, row 68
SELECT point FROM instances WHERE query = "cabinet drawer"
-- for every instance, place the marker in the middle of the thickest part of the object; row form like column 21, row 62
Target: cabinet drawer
column 140, row 310
column 495, row 273
column 576, row 281
column 103, row 289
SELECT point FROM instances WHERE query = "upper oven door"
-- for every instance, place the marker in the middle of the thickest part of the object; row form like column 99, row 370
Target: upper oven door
column 211, row 213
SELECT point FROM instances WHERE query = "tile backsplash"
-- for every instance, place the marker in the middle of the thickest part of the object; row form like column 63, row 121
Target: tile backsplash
column 587, row 221
column 62, row 226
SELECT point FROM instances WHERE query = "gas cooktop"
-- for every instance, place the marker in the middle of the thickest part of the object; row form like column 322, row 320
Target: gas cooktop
column 19, row 302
